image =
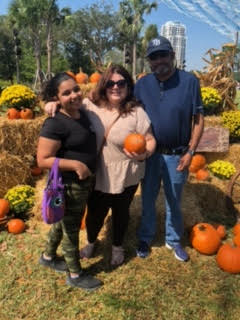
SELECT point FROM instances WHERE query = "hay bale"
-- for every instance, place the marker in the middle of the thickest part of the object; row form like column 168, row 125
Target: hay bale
column 39, row 187
column 13, row 170
column 212, row 121
column 19, row 137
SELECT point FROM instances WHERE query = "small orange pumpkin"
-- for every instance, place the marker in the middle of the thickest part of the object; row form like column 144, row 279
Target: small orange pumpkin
column 95, row 77
column 228, row 258
column 13, row 114
column 26, row 114
column 221, row 230
column 202, row 175
column 36, row 171
column 198, row 162
column 236, row 240
column 135, row 142
column 236, row 228
column 81, row 77
column 4, row 207
column 16, row 226
column 204, row 238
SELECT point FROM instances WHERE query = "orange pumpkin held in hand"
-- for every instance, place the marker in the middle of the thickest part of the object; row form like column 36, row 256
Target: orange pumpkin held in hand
column 228, row 258
column 16, row 226
column 4, row 207
column 13, row 114
column 198, row 162
column 135, row 142
column 204, row 238
column 26, row 114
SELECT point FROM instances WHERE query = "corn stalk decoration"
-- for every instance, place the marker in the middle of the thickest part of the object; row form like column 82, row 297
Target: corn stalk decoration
column 219, row 74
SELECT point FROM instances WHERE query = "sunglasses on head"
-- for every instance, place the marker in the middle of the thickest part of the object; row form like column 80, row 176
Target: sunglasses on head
column 120, row 83
column 159, row 54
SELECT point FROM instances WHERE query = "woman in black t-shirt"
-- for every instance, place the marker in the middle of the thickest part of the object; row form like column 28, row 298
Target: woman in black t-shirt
column 68, row 136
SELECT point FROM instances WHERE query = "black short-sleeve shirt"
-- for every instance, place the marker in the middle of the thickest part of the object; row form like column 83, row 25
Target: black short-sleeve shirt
column 78, row 141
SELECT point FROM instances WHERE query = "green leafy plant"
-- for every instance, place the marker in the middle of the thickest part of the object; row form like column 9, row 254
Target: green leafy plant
column 231, row 121
column 17, row 96
column 211, row 100
column 21, row 198
column 222, row 169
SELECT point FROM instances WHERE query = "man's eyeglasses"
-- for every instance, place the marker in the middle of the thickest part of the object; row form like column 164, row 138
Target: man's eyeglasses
column 120, row 84
column 159, row 54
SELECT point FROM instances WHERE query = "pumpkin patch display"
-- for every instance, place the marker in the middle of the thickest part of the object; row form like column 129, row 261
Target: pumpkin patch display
column 26, row 114
column 16, row 226
column 198, row 162
column 4, row 207
column 13, row 114
column 205, row 239
column 228, row 258
column 135, row 142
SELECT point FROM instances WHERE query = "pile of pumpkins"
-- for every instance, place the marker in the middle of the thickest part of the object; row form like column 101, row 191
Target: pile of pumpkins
column 198, row 167
column 14, row 226
column 25, row 114
column 207, row 239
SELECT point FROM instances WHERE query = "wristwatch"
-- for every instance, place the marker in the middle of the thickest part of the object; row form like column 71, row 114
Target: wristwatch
column 191, row 152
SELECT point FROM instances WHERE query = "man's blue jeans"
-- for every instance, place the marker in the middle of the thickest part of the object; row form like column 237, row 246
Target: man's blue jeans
column 159, row 168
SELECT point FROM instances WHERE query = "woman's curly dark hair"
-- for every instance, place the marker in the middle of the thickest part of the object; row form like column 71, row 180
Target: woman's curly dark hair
column 99, row 96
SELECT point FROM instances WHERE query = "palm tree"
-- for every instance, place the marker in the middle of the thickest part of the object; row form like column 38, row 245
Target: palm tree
column 131, row 23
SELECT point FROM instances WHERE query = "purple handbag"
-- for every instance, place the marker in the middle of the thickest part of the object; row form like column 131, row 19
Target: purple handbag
column 53, row 196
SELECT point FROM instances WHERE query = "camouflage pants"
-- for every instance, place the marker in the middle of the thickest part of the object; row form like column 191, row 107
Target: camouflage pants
column 66, row 231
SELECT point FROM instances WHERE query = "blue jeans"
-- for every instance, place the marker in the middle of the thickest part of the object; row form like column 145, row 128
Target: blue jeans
column 162, row 167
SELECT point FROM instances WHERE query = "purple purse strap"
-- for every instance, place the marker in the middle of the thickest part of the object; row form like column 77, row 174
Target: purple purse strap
column 54, row 175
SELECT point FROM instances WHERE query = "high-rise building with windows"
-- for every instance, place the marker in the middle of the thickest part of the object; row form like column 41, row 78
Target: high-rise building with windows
column 175, row 32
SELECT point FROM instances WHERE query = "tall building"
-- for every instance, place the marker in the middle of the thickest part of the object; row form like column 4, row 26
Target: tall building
column 175, row 32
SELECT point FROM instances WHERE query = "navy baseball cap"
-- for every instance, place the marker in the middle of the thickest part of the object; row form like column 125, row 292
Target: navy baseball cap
column 159, row 44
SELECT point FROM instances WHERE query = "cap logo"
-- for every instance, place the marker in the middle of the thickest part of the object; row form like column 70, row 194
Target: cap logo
column 156, row 42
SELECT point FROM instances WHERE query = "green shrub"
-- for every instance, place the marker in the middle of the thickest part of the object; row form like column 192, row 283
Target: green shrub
column 231, row 121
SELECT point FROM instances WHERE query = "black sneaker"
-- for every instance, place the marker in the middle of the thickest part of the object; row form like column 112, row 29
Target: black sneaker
column 143, row 249
column 56, row 263
column 84, row 281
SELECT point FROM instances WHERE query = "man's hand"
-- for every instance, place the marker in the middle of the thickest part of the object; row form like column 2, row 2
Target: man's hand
column 184, row 162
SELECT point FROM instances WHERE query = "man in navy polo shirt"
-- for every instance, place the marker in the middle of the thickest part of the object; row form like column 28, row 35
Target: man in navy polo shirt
column 172, row 100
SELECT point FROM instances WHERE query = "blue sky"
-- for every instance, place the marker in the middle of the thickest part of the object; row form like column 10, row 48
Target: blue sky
column 200, row 36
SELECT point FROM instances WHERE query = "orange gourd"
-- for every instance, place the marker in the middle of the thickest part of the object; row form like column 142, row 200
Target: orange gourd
column 236, row 228
column 204, row 238
column 4, row 207
column 16, row 226
column 26, row 114
column 81, row 77
column 236, row 240
column 198, row 162
column 202, row 174
column 228, row 258
column 135, row 142
column 95, row 77
column 221, row 230
column 36, row 171
column 13, row 114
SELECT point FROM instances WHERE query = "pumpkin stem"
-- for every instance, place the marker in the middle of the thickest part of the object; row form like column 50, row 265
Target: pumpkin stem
column 202, row 227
